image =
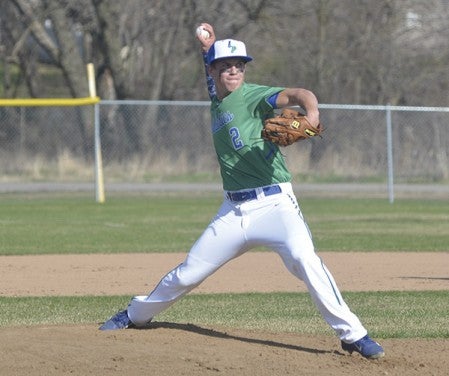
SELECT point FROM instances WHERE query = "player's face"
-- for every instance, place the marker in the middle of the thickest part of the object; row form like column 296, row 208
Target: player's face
column 228, row 75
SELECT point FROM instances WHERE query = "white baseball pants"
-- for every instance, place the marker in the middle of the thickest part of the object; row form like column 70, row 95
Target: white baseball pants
column 273, row 221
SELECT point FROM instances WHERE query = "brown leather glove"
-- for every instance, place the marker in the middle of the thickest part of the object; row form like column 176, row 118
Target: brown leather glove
column 289, row 127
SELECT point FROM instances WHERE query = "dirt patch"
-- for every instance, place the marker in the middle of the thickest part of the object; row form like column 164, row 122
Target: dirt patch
column 184, row 349
column 136, row 274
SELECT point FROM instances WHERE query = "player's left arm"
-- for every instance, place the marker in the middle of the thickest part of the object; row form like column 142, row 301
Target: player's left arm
column 303, row 98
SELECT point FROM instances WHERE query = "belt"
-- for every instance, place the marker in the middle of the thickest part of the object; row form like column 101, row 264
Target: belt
column 252, row 194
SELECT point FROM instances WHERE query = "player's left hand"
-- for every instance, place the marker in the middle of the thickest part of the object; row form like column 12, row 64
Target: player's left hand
column 289, row 127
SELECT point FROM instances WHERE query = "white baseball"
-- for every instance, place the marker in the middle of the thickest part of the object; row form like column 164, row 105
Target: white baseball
column 201, row 31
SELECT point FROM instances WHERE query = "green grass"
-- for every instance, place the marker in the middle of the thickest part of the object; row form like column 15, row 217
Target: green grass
column 387, row 314
column 74, row 223
column 376, row 225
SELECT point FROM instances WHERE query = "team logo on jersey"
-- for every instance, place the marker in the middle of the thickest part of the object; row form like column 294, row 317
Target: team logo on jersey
column 233, row 48
column 220, row 120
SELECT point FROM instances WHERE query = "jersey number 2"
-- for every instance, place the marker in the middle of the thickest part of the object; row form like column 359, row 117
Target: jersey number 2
column 235, row 137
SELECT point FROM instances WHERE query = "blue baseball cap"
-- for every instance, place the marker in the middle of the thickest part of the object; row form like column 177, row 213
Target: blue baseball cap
column 227, row 48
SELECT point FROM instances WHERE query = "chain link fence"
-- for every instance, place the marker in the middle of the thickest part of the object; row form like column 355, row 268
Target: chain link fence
column 163, row 141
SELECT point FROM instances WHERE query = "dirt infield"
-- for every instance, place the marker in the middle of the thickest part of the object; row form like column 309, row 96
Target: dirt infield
column 185, row 349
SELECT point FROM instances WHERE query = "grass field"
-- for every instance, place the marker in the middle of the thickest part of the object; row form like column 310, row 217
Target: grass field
column 387, row 314
column 65, row 224
column 171, row 223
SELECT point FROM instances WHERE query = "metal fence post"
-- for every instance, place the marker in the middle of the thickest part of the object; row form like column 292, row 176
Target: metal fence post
column 390, row 154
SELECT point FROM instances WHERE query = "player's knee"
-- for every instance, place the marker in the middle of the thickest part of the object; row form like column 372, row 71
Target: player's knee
column 302, row 259
column 189, row 276
column 193, row 271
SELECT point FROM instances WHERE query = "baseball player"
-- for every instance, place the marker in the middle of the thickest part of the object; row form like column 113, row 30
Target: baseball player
column 259, row 206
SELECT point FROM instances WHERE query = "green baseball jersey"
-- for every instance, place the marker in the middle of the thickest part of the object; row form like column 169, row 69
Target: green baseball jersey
column 246, row 160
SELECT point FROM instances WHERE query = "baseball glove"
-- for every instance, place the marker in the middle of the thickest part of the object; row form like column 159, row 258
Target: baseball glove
column 289, row 127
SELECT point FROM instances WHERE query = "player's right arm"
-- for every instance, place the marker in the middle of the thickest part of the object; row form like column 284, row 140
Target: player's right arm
column 205, row 45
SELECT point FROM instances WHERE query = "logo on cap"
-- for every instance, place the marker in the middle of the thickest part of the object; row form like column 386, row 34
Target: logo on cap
column 233, row 48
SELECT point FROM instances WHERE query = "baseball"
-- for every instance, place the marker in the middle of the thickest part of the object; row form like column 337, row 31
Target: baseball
column 201, row 31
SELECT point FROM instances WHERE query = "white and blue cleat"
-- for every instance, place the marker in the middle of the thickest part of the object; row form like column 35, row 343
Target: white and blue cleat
column 119, row 321
column 366, row 347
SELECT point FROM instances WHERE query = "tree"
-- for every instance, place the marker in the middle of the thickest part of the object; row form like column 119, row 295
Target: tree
column 346, row 51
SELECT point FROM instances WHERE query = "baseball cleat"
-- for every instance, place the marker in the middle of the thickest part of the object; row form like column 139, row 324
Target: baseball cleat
column 119, row 321
column 366, row 347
